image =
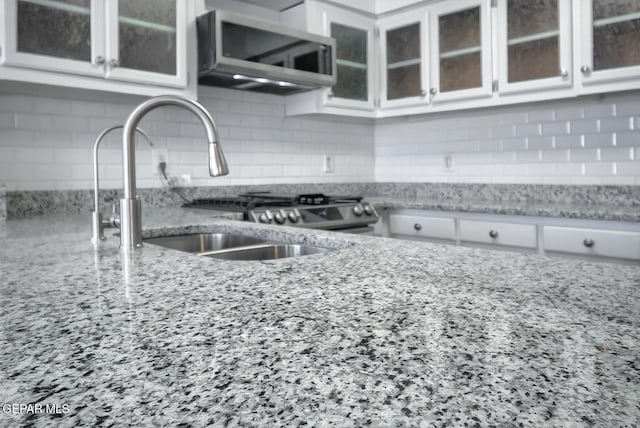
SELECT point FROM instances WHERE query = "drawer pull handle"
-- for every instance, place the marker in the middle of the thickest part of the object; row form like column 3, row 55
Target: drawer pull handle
column 493, row 234
column 588, row 242
column 417, row 226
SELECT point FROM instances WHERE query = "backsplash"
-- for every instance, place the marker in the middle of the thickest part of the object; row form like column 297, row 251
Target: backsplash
column 46, row 143
column 589, row 140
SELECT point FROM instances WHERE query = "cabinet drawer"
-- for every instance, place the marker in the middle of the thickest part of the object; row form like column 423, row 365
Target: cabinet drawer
column 422, row 227
column 594, row 242
column 508, row 234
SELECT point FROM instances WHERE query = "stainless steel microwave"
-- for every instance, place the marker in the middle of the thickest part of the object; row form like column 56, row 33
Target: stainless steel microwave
column 243, row 53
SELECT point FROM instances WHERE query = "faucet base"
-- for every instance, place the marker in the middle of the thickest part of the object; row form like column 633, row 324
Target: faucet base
column 130, row 230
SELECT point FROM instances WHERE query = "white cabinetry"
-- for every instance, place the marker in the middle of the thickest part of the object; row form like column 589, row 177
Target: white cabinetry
column 124, row 46
column 355, row 89
column 594, row 239
column 610, row 35
column 499, row 233
column 592, row 242
column 421, row 226
column 461, row 50
column 404, row 60
column 534, row 45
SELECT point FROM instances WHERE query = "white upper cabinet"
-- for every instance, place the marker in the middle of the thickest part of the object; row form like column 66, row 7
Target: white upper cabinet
column 354, row 58
column 121, row 40
column 534, row 45
column 461, row 57
column 403, row 60
column 356, row 87
column 611, row 40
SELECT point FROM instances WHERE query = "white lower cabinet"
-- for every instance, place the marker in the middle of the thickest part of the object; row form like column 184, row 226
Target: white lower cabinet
column 499, row 233
column 592, row 242
column 593, row 239
column 422, row 227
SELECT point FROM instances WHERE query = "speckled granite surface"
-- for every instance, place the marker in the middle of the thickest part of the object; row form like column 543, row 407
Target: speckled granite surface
column 590, row 202
column 380, row 332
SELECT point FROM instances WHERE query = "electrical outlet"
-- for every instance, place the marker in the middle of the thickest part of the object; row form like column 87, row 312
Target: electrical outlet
column 448, row 163
column 157, row 156
column 329, row 165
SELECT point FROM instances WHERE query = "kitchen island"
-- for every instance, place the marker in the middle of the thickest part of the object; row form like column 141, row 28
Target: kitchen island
column 379, row 332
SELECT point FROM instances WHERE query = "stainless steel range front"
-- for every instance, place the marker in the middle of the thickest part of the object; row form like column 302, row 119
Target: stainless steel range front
column 316, row 211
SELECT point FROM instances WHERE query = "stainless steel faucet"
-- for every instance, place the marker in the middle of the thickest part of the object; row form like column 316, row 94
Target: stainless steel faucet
column 130, row 206
column 97, row 224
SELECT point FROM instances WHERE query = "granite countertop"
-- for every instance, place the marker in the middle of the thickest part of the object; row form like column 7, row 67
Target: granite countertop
column 380, row 332
column 613, row 212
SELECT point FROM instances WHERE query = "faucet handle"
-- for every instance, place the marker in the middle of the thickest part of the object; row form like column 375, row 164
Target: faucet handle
column 114, row 219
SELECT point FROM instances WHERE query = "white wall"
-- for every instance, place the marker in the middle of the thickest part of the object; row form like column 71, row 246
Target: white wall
column 46, row 143
column 594, row 140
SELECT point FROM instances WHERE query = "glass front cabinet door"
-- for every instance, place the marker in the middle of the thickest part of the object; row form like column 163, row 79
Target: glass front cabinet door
column 403, row 54
column 461, row 50
column 534, row 39
column 611, row 40
column 354, row 58
column 142, row 41
column 147, row 41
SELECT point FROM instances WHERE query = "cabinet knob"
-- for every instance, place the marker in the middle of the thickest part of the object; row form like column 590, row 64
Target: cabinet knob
column 330, row 94
column 114, row 63
column 433, row 91
column 564, row 72
column 493, row 234
column 99, row 60
column 417, row 226
column 589, row 242
column 585, row 69
column 423, row 93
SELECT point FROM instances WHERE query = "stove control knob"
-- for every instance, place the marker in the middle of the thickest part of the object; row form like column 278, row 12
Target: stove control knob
column 279, row 218
column 293, row 217
column 357, row 210
column 368, row 210
column 264, row 218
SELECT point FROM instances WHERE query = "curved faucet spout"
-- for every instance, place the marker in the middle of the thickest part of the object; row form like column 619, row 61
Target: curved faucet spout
column 130, row 208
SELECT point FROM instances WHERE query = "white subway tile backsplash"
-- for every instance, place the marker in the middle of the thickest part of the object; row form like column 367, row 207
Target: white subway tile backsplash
column 539, row 143
column 582, row 141
column 555, row 128
column 568, row 141
column 599, row 110
column 598, row 140
column 584, row 155
column 627, row 138
column 616, row 124
column 7, row 120
column 616, row 154
column 599, row 169
column 528, row 130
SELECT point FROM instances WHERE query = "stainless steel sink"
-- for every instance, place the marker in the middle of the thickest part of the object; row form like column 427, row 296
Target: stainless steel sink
column 267, row 252
column 204, row 242
column 234, row 247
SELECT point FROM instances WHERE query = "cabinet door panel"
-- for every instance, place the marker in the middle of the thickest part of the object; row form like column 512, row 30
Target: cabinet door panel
column 513, row 235
column 56, row 35
column 147, row 35
column 404, row 60
column 460, row 56
column 146, row 41
column 593, row 242
column 63, row 31
column 422, row 227
column 534, row 38
column 611, row 34
column 352, row 62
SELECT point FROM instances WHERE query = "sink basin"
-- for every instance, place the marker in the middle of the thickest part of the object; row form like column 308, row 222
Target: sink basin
column 204, row 242
column 233, row 247
column 267, row 252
